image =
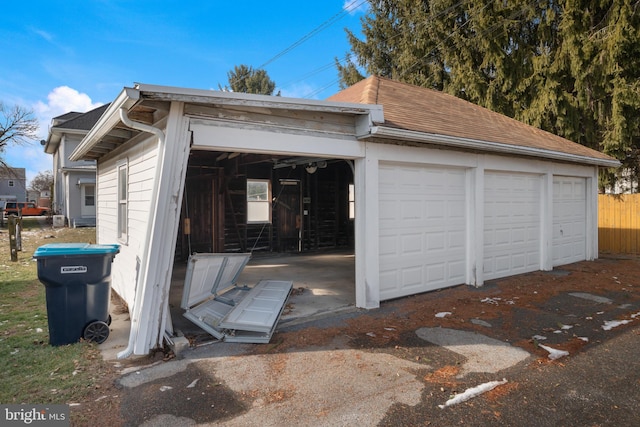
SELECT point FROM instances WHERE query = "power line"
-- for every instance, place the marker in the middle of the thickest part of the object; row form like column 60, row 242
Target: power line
column 347, row 9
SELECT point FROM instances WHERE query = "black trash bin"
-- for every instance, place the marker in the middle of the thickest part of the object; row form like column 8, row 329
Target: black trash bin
column 77, row 280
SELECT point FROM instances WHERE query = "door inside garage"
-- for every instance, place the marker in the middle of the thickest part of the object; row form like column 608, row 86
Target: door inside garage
column 422, row 217
column 512, row 215
column 569, row 220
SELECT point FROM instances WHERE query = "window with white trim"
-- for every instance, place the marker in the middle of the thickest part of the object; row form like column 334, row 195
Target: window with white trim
column 352, row 201
column 258, row 201
column 90, row 195
column 122, row 202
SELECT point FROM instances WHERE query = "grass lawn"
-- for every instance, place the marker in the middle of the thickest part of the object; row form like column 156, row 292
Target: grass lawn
column 34, row 372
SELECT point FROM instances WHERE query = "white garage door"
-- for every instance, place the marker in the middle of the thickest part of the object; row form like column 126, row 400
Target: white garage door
column 511, row 224
column 569, row 220
column 422, row 228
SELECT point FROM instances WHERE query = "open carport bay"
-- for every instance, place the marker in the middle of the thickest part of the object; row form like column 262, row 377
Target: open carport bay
column 323, row 283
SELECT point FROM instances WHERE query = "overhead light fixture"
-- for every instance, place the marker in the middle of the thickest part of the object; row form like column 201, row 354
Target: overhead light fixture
column 311, row 168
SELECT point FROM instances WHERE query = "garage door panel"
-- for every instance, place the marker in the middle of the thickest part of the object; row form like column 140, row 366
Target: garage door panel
column 422, row 228
column 511, row 224
column 569, row 220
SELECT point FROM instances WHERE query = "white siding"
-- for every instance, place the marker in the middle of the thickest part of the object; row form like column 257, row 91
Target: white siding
column 141, row 160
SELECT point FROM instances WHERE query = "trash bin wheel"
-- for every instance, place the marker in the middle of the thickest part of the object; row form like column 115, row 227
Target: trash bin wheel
column 109, row 320
column 97, row 332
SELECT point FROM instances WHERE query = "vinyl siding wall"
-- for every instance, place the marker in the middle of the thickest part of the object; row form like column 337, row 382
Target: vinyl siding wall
column 141, row 162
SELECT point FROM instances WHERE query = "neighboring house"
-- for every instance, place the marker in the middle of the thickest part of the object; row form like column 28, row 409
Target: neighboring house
column 74, row 188
column 13, row 185
column 429, row 190
column 33, row 196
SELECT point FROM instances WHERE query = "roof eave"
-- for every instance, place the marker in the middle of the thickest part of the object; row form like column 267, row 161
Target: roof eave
column 169, row 93
column 126, row 99
column 494, row 147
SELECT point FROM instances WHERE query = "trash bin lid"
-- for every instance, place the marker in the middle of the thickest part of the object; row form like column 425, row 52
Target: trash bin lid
column 61, row 249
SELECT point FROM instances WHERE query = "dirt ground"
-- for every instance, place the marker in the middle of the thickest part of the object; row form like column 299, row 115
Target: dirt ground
column 513, row 310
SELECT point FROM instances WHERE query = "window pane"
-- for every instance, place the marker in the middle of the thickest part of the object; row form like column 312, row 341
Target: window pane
column 258, row 212
column 352, row 201
column 89, row 195
column 257, row 191
column 122, row 222
column 122, row 184
column 122, row 201
column 258, row 201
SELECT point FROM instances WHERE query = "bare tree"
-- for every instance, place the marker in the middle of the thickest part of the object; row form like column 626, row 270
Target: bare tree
column 17, row 126
column 42, row 181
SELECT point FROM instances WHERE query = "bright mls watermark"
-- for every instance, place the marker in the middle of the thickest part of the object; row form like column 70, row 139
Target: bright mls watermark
column 35, row 415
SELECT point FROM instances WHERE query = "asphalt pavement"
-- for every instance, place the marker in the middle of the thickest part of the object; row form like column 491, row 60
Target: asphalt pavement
column 342, row 384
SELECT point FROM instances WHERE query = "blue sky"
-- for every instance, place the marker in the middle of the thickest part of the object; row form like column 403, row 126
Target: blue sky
column 74, row 55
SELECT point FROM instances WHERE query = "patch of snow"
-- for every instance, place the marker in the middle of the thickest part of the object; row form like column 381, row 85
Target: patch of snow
column 472, row 392
column 591, row 297
column 165, row 388
column 585, row 339
column 443, row 314
column 371, row 334
column 633, row 316
column 493, row 301
column 481, row 322
column 610, row 324
column 193, row 383
column 554, row 353
column 539, row 337
column 565, row 327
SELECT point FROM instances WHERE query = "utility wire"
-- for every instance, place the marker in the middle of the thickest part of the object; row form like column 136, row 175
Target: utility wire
column 347, row 9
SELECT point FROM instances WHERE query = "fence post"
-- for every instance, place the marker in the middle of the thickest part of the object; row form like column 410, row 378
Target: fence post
column 13, row 241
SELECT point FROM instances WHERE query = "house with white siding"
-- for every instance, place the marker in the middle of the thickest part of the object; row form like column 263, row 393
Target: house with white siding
column 427, row 190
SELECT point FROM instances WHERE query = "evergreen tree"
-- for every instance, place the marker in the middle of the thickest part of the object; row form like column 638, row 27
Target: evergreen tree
column 571, row 67
column 245, row 79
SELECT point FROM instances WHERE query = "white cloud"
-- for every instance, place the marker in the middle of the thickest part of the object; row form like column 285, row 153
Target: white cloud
column 64, row 99
column 355, row 6
column 60, row 100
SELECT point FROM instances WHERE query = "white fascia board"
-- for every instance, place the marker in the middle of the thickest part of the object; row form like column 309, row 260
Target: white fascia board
column 486, row 146
column 55, row 136
column 110, row 118
column 169, row 93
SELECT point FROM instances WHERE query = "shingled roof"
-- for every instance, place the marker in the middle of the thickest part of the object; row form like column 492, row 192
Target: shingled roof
column 417, row 109
column 80, row 121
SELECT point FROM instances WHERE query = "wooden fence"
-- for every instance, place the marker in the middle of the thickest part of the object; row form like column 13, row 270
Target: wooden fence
column 619, row 223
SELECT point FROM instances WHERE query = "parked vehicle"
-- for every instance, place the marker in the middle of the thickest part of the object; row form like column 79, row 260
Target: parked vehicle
column 27, row 208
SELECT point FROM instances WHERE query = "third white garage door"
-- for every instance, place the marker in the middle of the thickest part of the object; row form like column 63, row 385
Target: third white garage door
column 569, row 220
column 422, row 228
column 511, row 224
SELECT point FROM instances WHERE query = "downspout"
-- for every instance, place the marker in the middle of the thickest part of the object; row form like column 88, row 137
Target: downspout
column 140, row 287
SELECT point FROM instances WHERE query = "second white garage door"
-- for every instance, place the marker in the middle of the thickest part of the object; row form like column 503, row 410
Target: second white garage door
column 422, row 228
column 511, row 224
column 569, row 220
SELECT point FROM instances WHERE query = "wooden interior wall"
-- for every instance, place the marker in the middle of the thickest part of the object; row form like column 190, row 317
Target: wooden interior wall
column 309, row 212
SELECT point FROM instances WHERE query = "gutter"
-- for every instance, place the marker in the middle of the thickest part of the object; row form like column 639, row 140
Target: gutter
column 474, row 144
column 141, row 287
